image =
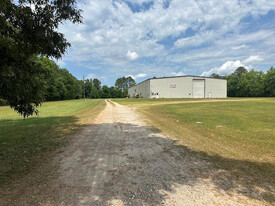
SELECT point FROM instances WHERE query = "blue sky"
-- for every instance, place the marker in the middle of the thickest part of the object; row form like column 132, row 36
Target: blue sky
column 146, row 38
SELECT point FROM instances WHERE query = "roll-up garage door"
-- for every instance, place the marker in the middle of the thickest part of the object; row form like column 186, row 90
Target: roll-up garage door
column 198, row 88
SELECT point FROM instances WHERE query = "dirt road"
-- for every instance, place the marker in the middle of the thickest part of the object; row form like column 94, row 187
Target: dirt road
column 121, row 161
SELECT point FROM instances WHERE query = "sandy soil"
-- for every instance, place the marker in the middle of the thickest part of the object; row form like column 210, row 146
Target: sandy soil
column 120, row 161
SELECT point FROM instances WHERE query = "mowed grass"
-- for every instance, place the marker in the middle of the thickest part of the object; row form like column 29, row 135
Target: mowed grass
column 242, row 129
column 143, row 101
column 24, row 143
column 235, row 137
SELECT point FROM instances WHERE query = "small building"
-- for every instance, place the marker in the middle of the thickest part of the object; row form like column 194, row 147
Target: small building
column 180, row 87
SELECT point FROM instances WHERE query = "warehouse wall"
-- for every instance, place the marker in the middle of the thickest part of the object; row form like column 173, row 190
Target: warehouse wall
column 215, row 88
column 142, row 89
column 177, row 87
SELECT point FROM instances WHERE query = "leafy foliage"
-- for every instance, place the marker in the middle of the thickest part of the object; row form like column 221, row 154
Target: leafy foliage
column 269, row 83
column 243, row 83
column 28, row 29
column 125, row 82
column 61, row 84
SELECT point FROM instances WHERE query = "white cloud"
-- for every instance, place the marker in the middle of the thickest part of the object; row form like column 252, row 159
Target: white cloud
column 112, row 36
column 227, row 68
column 132, row 55
column 110, row 27
column 94, row 76
column 239, row 47
column 61, row 63
column 177, row 73
column 195, row 40
column 90, row 76
column 253, row 59
column 230, row 66
column 138, row 76
column 78, row 38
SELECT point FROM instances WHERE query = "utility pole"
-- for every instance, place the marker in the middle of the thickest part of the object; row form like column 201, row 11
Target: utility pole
column 84, row 88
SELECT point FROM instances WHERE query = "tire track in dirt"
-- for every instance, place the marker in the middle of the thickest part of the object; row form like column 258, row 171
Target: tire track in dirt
column 120, row 161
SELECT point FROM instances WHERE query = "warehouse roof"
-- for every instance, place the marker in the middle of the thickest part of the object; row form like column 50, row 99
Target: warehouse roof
column 177, row 77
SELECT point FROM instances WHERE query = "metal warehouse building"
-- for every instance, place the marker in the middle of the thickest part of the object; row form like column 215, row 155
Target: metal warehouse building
column 180, row 87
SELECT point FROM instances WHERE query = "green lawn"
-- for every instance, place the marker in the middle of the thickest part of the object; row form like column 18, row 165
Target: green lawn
column 154, row 101
column 143, row 101
column 236, row 138
column 237, row 129
column 243, row 130
column 23, row 142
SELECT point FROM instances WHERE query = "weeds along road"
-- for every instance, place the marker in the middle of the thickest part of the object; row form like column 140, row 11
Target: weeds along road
column 120, row 161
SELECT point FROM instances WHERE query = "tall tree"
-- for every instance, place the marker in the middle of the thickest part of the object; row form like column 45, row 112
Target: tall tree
column 61, row 84
column 250, row 84
column 239, row 71
column 94, row 93
column 243, row 83
column 105, row 92
column 269, row 82
column 214, row 75
column 130, row 82
column 88, row 84
column 30, row 28
column 96, row 83
column 125, row 82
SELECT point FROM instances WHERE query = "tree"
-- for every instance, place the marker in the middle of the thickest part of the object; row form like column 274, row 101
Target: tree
column 130, row 82
column 239, row 71
column 61, row 84
column 115, row 92
column 105, row 92
column 214, row 75
column 125, row 82
column 232, row 84
column 88, row 84
column 30, row 28
column 94, row 93
column 269, row 83
column 120, row 83
column 250, row 84
column 96, row 83
column 242, row 83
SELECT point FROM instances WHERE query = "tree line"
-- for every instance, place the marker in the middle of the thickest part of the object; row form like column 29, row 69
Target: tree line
column 244, row 83
column 62, row 85
column 30, row 29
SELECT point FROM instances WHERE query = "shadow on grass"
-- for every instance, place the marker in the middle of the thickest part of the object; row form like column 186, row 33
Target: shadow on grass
column 24, row 142
column 126, row 162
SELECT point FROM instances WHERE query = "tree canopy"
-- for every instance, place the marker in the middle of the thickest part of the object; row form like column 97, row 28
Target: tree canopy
column 28, row 30
column 62, row 85
column 125, row 82
column 243, row 83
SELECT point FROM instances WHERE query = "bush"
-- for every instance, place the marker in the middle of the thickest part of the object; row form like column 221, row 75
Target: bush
column 3, row 102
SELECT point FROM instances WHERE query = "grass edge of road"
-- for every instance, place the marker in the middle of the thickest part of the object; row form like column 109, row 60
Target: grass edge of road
column 33, row 140
column 247, row 173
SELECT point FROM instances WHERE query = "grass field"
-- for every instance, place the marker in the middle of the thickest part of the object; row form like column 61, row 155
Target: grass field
column 235, row 136
column 236, row 129
column 24, row 142
column 143, row 101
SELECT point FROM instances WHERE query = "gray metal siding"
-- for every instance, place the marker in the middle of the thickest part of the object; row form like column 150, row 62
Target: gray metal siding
column 179, row 87
column 142, row 89
column 217, row 88
column 198, row 88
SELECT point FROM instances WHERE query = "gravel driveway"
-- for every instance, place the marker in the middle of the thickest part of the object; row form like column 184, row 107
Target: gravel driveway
column 121, row 161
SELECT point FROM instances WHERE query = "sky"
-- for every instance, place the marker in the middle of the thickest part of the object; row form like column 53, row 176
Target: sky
column 147, row 38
